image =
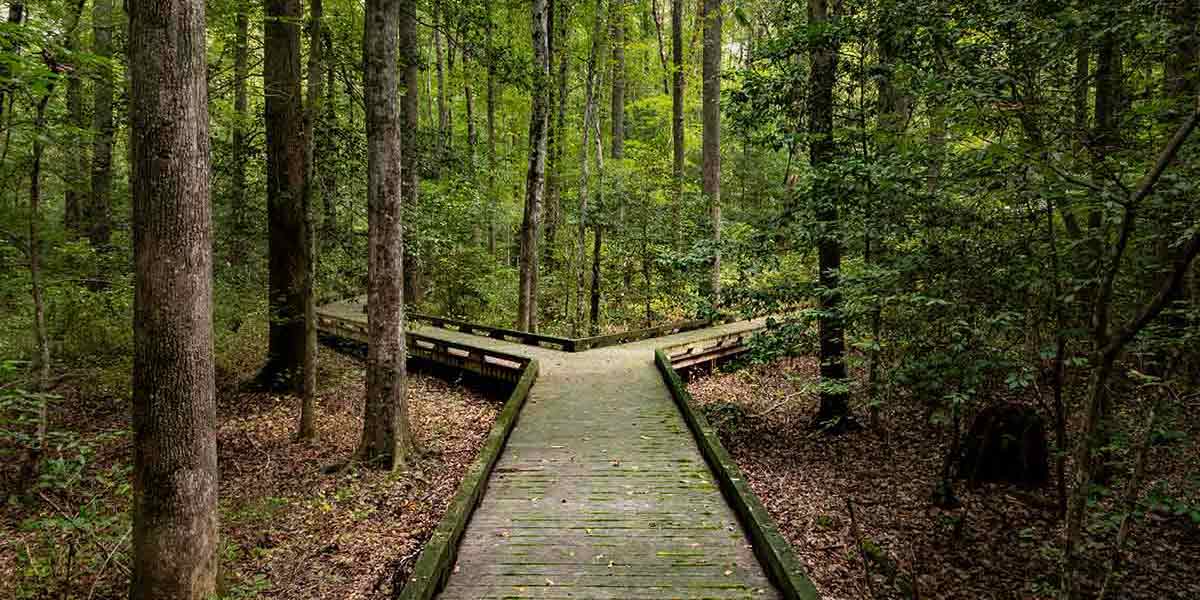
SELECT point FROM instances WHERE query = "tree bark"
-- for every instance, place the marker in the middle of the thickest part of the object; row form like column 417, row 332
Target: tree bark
column 616, row 28
column 712, row 137
column 329, row 225
column 410, row 61
column 493, row 196
column 289, row 248
column 33, row 460
column 443, row 111
column 589, row 116
column 312, row 112
column 535, row 180
column 99, row 228
column 598, row 233
column 677, row 140
column 662, row 48
column 174, row 407
column 241, row 72
column 386, row 439
column 823, row 58
column 77, row 183
column 557, row 45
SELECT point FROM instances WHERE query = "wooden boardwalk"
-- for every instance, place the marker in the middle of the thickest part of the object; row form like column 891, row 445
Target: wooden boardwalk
column 601, row 491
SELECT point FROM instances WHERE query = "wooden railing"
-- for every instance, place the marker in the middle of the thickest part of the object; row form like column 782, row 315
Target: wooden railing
column 711, row 349
column 498, row 333
column 481, row 361
column 563, row 343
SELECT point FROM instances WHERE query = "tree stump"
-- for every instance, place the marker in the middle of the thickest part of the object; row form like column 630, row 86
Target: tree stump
column 1007, row 443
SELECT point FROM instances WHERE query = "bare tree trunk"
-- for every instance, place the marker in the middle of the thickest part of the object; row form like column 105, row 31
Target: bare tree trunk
column 312, row 112
column 175, row 536
column 34, row 459
column 662, row 51
column 289, row 248
column 16, row 16
column 241, row 72
column 329, row 226
column 712, row 137
column 677, row 139
column 616, row 28
column 589, row 116
column 386, row 438
column 535, row 181
column 823, row 56
column 410, row 61
column 77, row 183
column 99, row 228
column 443, row 112
column 493, row 196
column 598, row 232
column 557, row 46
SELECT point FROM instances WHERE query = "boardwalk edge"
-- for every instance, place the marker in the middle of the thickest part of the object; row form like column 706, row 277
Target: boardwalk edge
column 440, row 551
column 772, row 550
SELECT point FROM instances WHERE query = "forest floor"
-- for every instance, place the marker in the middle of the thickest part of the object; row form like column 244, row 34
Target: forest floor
column 1001, row 543
column 294, row 522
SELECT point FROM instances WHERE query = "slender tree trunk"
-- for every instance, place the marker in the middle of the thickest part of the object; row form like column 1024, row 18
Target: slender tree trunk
column 410, row 61
column 677, row 140
column 77, row 183
column 289, row 248
column 597, row 242
column 329, row 224
column 535, row 181
column 443, row 111
column 589, row 116
column 557, row 44
column 312, row 112
column 241, row 72
column 174, row 404
column 16, row 16
column 386, row 438
column 99, row 208
column 34, row 459
column 616, row 28
column 493, row 195
column 564, row 62
column 712, row 136
column 823, row 57
column 662, row 51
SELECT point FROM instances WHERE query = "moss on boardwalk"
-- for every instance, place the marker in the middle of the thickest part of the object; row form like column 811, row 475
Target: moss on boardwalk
column 601, row 491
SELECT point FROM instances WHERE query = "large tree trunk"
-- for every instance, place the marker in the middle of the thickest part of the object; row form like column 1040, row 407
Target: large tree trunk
column 241, row 72
column 288, row 244
column 823, row 56
column 99, row 208
column 410, row 61
column 312, row 112
column 386, row 438
column 174, row 405
column 535, row 180
column 677, row 140
column 77, row 183
column 712, row 136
